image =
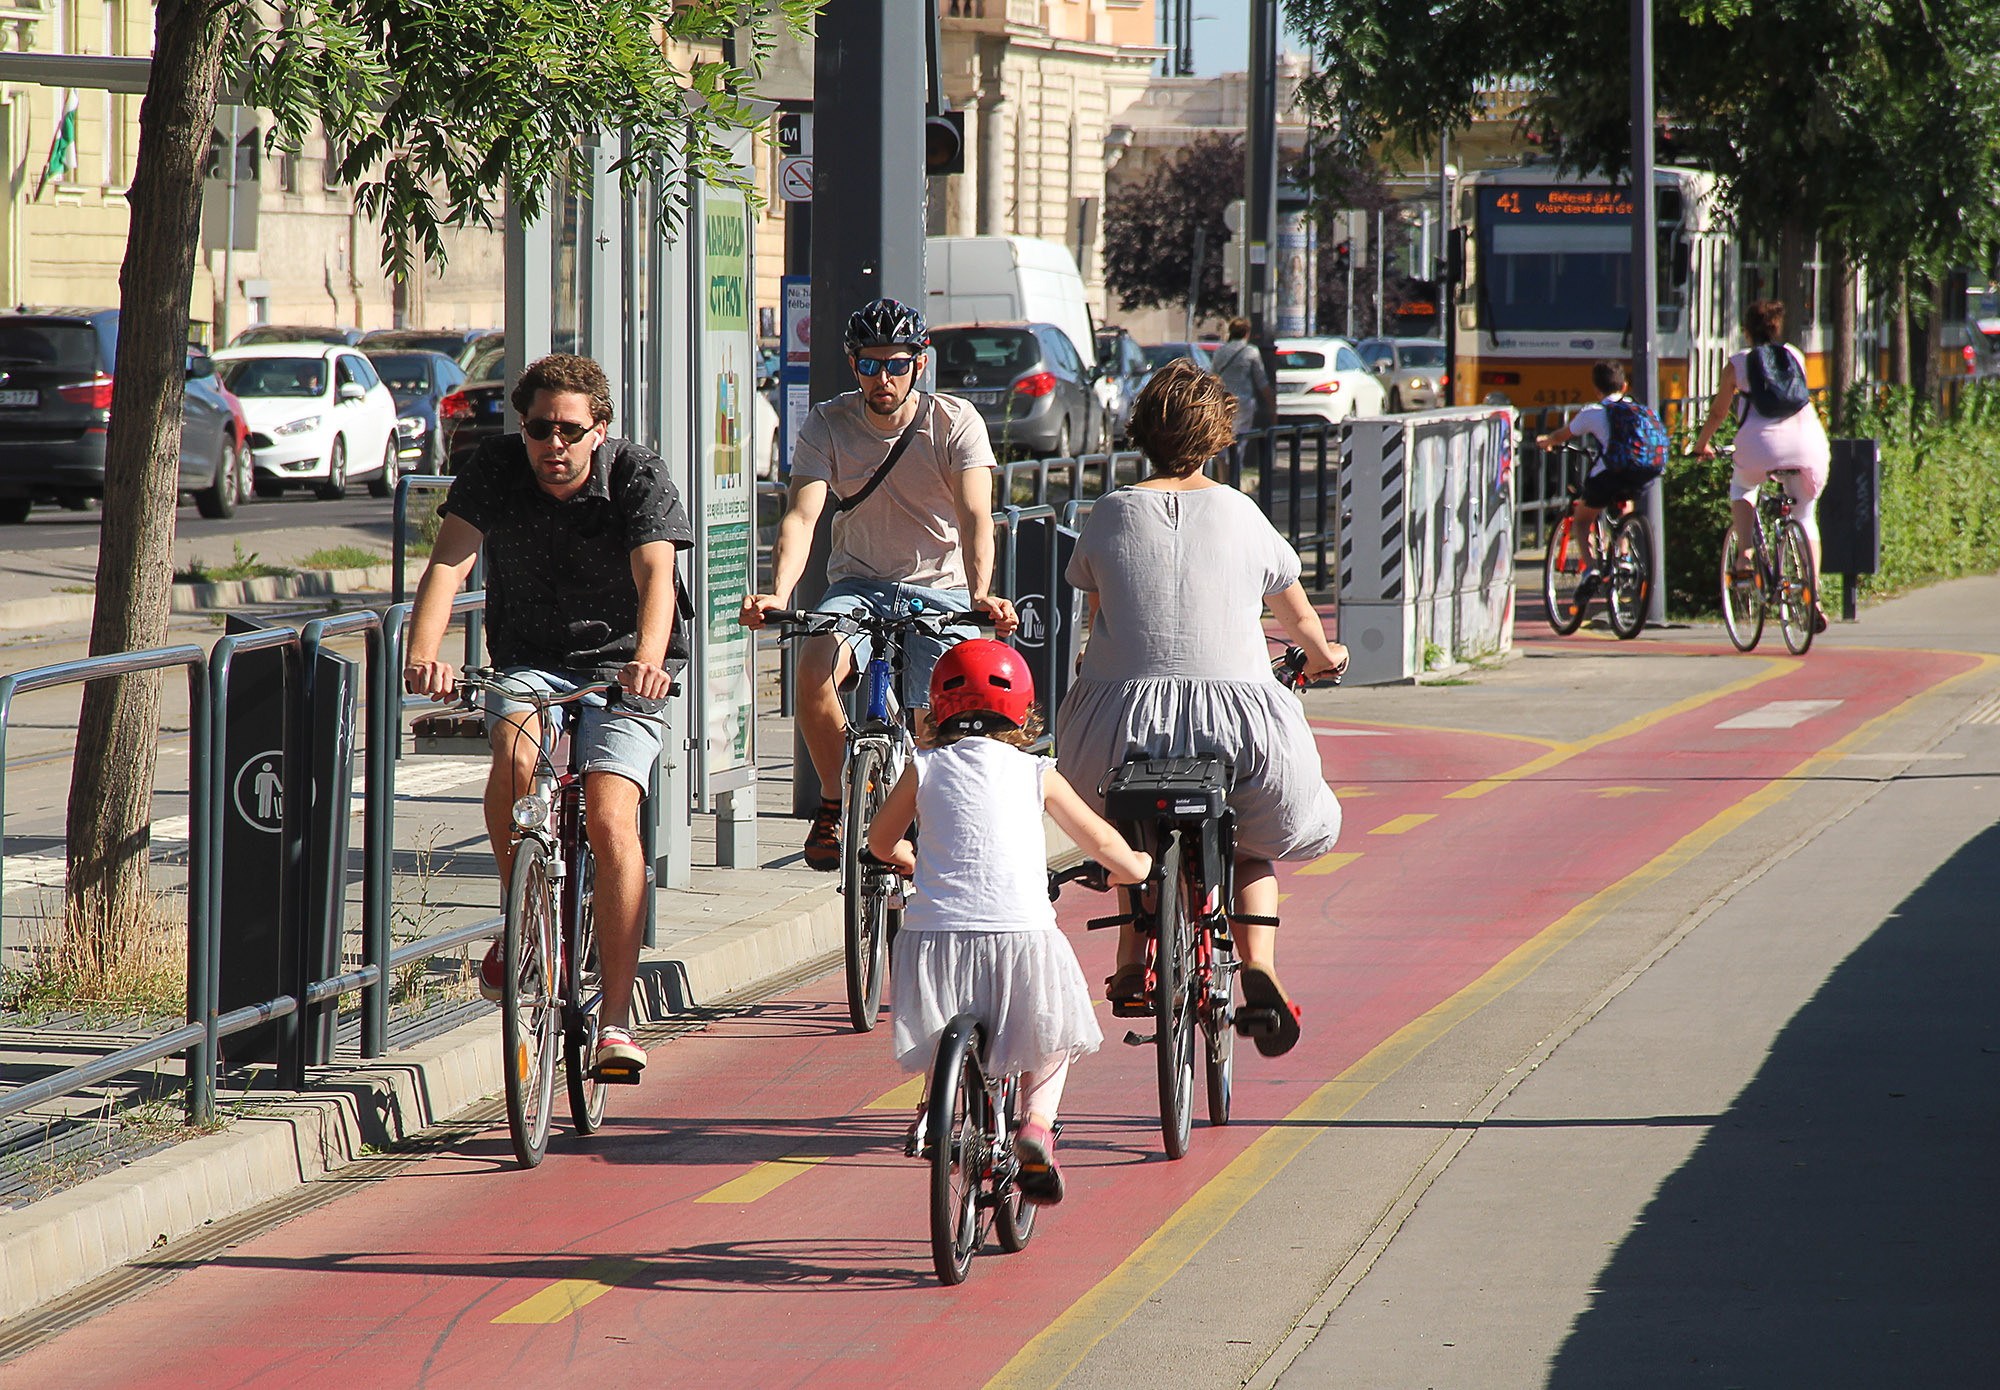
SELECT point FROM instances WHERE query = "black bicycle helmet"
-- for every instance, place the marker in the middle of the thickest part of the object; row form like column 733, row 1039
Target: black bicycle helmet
column 886, row 323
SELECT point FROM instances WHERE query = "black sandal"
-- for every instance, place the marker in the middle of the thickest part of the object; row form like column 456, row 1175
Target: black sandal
column 1128, row 990
column 1268, row 1014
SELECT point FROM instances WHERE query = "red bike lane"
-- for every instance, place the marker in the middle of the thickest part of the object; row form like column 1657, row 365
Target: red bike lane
column 747, row 1217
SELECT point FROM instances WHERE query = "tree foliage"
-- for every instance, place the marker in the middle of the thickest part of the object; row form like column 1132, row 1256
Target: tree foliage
column 1149, row 228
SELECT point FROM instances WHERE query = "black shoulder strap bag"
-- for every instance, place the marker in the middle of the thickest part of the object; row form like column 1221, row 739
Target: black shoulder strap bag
column 848, row 504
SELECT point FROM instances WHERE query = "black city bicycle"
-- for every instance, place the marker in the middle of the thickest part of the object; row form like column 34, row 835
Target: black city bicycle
column 967, row 1139
column 1614, row 560
column 551, row 990
column 1780, row 576
column 880, row 740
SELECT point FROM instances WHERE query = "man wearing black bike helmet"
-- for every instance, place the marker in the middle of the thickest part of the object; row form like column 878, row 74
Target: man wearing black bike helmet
column 910, row 477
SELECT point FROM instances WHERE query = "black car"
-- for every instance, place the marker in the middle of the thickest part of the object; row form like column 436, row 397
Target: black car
column 257, row 334
column 449, row 341
column 477, row 410
column 420, row 381
column 55, row 406
column 1028, row 384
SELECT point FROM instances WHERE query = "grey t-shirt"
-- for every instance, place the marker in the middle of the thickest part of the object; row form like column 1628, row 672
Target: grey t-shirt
column 907, row 532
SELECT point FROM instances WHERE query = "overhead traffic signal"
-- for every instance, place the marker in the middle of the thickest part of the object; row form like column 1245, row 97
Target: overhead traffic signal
column 944, row 143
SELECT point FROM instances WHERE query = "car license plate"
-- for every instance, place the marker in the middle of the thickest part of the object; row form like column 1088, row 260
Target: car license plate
column 20, row 398
column 982, row 397
column 1290, row 388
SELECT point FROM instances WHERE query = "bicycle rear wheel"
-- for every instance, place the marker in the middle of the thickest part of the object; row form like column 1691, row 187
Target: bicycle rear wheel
column 1013, row 1219
column 1629, row 572
column 530, row 1012
column 1798, row 588
column 865, row 891
column 1562, row 577
column 1174, row 1003
column 1219, row 1034
column 1742, row 598
column 586, row 1092
column 958, row 1134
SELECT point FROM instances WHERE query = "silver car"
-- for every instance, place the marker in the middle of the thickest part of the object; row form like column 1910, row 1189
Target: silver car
column 1413, row 371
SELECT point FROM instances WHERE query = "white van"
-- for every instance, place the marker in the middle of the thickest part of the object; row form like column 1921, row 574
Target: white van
column 1007, row 279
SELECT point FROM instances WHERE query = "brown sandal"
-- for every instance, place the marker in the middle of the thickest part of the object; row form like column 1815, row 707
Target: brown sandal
column 1125, row 987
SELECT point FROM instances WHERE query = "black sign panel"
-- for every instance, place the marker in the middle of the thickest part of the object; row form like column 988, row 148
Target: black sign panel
column 1850, row 512
column 1050, row 622
column 256, row 936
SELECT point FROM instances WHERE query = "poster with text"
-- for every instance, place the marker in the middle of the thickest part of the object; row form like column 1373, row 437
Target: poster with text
column 726, row 372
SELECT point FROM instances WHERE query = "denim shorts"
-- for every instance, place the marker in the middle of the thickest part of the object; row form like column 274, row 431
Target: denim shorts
column 921, row 651
column 607, row 740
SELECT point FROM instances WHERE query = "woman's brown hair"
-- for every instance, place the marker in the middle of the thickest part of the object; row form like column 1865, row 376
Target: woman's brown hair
column 1183, row 418
column 1765, row 322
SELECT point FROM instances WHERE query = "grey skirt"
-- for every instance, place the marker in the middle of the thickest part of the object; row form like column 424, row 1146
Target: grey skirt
column 1024, row 987
column 1284, row 808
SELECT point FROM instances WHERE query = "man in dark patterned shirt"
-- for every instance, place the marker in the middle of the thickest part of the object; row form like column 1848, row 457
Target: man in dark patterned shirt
column 580, row 533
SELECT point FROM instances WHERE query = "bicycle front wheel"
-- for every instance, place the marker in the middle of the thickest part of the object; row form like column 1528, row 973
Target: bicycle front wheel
column 586, row 1092
column 1562, row 578
column 866, row 891
column 1629, row 569
column 958, row 1132
column 530, row 1012
column 1174, row 1003
column 1742, row 595
column 1798, row 588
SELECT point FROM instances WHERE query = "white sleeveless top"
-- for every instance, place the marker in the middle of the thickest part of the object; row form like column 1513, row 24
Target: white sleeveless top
column 982, row 861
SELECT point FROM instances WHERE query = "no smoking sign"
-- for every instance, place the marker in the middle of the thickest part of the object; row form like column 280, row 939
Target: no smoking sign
column 795, row 178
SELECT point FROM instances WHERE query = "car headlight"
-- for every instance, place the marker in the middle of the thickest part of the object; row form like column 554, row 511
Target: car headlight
column 411, row 426
column 1417, row 383
column 311, row 422
column 531, row 812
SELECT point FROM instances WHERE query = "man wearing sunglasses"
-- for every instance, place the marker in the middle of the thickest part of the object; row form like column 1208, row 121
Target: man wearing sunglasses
column 914, row 524
column 580, row 533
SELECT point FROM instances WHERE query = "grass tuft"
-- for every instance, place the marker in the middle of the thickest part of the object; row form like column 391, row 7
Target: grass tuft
column 240, row 567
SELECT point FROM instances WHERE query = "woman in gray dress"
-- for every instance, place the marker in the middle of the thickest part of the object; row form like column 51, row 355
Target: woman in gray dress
column 1179, row 570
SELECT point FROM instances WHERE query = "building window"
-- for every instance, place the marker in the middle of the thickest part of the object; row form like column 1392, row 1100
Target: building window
column 288, row 171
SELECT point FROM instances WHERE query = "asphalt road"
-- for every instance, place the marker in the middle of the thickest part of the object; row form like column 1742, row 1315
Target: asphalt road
column 51, row 528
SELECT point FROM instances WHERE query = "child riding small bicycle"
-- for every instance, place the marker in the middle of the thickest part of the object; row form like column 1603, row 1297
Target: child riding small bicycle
column 1631, row 448
column 979, row 935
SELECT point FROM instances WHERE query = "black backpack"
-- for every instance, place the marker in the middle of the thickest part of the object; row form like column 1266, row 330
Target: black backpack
column 1777, row 388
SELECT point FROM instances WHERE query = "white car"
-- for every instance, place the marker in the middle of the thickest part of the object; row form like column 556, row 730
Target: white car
column 318, row 416
column 1322, row 379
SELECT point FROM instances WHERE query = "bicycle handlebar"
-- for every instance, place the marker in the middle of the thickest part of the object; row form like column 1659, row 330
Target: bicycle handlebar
column 1290, row 668
column 814, row 624
column 470, row 682
column 1089, row 873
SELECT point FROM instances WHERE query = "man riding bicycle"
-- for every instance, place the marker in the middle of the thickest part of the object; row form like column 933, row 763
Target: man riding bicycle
column 911, row 478
column 1612, row 479
column 580, row 533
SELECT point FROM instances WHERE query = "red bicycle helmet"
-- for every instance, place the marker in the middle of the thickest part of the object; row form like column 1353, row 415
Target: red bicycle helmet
column 981, row 685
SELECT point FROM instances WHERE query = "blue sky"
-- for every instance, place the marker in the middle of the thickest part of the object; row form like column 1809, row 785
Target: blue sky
column 1222, row 36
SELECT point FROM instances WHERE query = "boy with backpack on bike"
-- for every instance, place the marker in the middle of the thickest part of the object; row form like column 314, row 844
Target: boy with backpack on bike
column 1631, row 448
column 979, row 933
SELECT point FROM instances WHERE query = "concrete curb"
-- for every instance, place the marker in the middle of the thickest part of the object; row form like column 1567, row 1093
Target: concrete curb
column 54, row 1245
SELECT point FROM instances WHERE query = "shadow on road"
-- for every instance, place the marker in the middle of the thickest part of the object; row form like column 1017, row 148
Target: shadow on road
column 1838, row 1226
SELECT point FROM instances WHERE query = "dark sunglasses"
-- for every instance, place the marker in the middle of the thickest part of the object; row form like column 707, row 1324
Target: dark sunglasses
column 894, row 366
column 541, row 429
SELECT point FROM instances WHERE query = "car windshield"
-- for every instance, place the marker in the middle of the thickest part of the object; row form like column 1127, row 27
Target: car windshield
column 1422, row 354
column 68, row 346
column 1300, row 360
column 446, row 343
column 1158, row 355
column 302, row 377
column 986, row 349
column 254, row 337
column 407, row 377
column 487, row 364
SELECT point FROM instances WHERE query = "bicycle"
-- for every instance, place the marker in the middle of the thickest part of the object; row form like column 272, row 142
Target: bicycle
column 1780, row 573
column 551, row 991
column 879, row 744
column 1623, row 570
column 969, row 1123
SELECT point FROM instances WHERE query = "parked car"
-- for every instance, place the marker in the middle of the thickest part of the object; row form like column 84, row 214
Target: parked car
column 1412, row 369
column 1027, row 382
column 418, row 381
column 1123, row 369
column 1159, row 354
column 55, row 405
column 258, row 334
column 478, row 346
column 1323, row 379
column 449, row 341
column 477, row 410
column 319, row 415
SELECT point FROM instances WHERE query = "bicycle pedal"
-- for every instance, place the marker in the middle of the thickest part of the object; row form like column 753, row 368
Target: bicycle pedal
column 1132, row 1009
column 615, row 1076
column 1256, row 1023
column 1139, row 1039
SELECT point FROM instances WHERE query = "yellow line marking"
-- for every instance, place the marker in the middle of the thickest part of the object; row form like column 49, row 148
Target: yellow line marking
column 562, row 1298
column 1282, row 898
column 1615, row 792
column 1060, row 1347
column 1403, row 823
column 1563, row 752
column 764, row 1179
column 1352, row 791
column 904, row 1097
column 1327, row 863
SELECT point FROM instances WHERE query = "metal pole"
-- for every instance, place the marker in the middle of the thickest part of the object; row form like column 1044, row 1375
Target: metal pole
column 1645, row 314
column 1349, row 219
column 1447, row 281
column 1378, row 249
column 228, row 239
column 1260, row 194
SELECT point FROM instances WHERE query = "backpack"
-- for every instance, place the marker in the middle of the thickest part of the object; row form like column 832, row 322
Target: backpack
column 1777, row 388
column 1637, row 452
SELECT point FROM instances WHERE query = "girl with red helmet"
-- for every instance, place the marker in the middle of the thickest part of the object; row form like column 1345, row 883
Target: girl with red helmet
column 979, row 933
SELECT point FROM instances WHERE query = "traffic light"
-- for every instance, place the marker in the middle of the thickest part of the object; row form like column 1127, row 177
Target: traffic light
column 1341, row 258
column 944, row 143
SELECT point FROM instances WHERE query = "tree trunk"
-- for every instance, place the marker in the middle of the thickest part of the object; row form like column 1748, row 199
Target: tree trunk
column 1899, row 327
column 110, row 802
column 1841, row 374
column 1918, row 294
column 1794, row 245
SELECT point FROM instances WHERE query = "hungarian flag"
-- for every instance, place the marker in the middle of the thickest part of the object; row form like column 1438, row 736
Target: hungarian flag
column 62, row 153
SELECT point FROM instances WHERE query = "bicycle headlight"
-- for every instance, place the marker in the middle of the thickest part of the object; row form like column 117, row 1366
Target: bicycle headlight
column 530, row 812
